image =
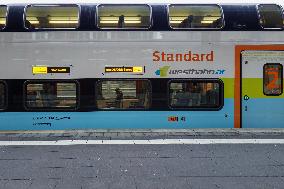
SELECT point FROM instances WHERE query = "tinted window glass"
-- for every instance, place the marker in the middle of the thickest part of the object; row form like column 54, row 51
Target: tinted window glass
column 126, row 16
column 195, row 16
column 270, row 16
column 45, row 95
column 195, row 94
column 3, row 12
column 2, row 95
column 44, row 17
column 128, row 94
column 273, row 79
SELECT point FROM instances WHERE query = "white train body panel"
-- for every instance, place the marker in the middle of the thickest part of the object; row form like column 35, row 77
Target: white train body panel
column 88, row 53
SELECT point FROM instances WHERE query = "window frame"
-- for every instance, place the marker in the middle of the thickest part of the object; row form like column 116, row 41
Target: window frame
column 51, row 5
column 41, row 81
column 128, row 109
column 258, row 16
column 6, row 95
column 281, row 71
column 132, row 28
column 203, row 80
column 196, row 5
column 6, row 16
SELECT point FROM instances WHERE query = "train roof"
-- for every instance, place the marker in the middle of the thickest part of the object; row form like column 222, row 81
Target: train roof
column 279, row 2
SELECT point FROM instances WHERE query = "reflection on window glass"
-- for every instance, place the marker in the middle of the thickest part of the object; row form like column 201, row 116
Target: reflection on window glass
column 270, row 16
column 195, row 94
column 2, row 95
column 41, row 17
column 128, row 94
column 51, row 95
column 124, row 16
column 273, row 79
column 195, row 16
column 3, row 11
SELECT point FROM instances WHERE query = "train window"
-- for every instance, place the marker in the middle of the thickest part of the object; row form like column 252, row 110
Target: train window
column 195, row 16
column 196, row 94
column 51, row 95
column 3, row 14
column 123, row 94
column 3, row 96
column 272, row 79
column 124, row 16
column 270, row 16
column 52, row 17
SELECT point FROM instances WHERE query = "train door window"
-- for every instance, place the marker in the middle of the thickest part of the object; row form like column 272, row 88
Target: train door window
column 195, row 17
column 123, row 94
column 124, row 16
column 3, row 16
column 52, row 17
column 270, row 16
column 3, row 95
column 51, row 95
column 196, row 94
column 272, row 79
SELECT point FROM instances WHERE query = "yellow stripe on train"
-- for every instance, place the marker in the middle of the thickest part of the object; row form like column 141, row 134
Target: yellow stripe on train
column 253, row 87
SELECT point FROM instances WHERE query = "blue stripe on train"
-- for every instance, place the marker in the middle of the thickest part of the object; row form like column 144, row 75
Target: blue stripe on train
column 263, row 113
column 119, row 119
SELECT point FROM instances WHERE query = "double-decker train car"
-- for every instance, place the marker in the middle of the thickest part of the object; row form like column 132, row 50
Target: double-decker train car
column 141, row 65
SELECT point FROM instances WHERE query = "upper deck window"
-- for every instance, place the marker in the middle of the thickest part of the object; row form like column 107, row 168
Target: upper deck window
column 52, row 17
column 124, row 16
column 3, row 13
column 195, row 16
column 270, row 16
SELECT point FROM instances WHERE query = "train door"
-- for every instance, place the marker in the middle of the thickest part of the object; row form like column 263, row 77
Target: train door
column 262, row 98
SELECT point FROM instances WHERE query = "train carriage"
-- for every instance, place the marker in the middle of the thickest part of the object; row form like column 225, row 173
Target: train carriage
column 141, row 65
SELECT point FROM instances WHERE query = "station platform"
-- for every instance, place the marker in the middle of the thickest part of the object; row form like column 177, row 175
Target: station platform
column 140, row 159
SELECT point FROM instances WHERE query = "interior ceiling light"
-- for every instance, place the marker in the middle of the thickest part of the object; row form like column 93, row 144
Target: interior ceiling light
column 207, row 21
column 63, row 21
column 115, row 19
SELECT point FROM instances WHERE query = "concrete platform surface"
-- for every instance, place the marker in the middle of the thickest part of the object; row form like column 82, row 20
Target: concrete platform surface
column 140, row 134
column 213, row 165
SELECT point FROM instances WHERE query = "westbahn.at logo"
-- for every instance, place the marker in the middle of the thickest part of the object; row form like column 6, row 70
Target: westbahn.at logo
column 165, row 71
